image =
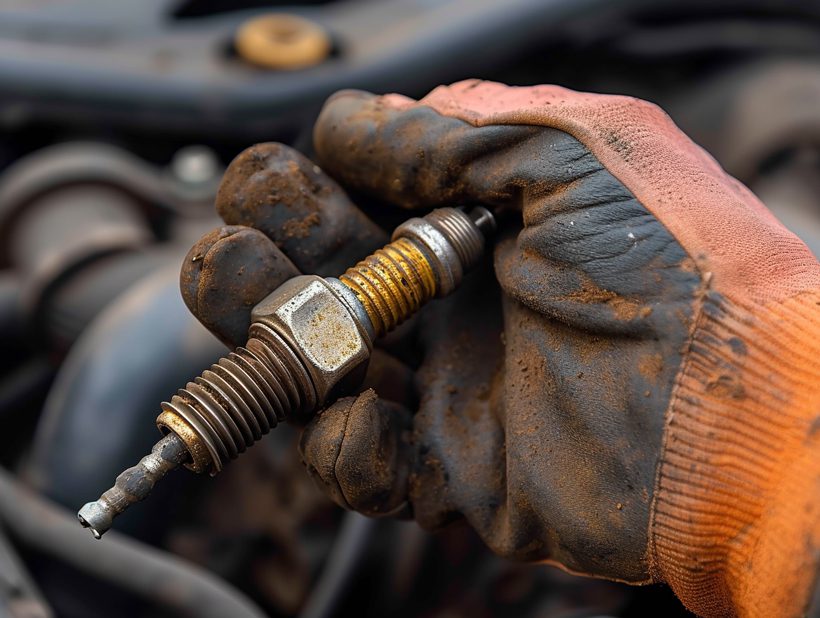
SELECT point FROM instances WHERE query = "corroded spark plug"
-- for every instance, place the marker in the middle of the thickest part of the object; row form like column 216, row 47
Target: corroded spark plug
column 309, row 341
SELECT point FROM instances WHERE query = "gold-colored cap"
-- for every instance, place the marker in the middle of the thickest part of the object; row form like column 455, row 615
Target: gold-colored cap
column 282, row 41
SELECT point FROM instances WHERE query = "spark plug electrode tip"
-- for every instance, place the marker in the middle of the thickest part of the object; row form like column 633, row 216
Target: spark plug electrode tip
column 483, row 219
column 94, row 517
column 133, row 485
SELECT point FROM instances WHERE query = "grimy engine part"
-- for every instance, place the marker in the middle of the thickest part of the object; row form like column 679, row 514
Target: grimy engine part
column 309, row 341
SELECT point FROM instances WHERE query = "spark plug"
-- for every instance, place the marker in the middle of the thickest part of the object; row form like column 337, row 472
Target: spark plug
column 310, row 341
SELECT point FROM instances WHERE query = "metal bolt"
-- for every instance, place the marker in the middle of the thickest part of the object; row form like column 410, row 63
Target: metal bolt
column 194, row 174
column 195, row 166
column 309, row 340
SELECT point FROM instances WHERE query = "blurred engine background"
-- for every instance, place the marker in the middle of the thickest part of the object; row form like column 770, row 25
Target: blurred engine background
column 116, row 121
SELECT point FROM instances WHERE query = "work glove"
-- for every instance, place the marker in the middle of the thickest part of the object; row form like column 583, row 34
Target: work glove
column 630, row 389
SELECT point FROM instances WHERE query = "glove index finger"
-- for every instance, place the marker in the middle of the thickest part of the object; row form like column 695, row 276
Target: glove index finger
column 283, row 194
column 472, row 140
column 408, row 154
column 226, row 273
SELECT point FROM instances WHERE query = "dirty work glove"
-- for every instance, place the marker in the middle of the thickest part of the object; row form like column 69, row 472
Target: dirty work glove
column 634, row 395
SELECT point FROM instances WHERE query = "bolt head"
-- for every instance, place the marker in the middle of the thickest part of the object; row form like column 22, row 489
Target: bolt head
column 321, row 329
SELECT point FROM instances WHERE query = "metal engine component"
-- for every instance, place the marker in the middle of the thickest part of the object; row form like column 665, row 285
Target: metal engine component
column 308, row 339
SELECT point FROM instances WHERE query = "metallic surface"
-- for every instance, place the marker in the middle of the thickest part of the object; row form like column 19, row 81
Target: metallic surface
column 200, row 458
column 427, row 258
column 133, row 485
column 305, row 340
column 392, row 283
column 319, row 327
column 242, row 397
column 146, row 331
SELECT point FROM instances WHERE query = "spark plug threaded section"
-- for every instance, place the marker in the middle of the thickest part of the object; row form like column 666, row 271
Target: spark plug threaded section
column 461, row 231
column 214, row 419
column 392, row 283
column 239, row 399
column 395, row 281
column 248, row 392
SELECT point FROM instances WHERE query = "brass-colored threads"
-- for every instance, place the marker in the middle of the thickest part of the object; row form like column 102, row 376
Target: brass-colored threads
column 392, row 283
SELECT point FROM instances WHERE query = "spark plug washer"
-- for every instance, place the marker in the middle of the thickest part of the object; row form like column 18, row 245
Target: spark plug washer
column 309, row 341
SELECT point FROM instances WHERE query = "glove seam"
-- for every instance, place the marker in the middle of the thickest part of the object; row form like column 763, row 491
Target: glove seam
column 655, row 571
column 342, row 493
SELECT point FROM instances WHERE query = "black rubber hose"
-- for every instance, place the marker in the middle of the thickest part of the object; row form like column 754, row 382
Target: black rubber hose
column 11, row 317
column 17, row 588
column 161, row 578
column 23, row 384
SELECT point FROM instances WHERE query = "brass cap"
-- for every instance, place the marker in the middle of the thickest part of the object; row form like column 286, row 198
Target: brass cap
column 282, row 41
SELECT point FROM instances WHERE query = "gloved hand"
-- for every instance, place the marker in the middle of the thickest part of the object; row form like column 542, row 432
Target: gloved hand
column 633, row 395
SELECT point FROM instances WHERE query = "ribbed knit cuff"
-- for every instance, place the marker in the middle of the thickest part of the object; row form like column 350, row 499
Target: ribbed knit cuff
column 735, row 526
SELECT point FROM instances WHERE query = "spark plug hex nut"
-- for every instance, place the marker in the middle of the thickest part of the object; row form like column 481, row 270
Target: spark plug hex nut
column 308, row 313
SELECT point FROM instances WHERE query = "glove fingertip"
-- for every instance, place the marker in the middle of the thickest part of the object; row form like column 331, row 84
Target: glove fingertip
column 280, row 192
column 350, row 93
column 329, row 128
column 226, row 273
column 357, row 452
column 320, row 445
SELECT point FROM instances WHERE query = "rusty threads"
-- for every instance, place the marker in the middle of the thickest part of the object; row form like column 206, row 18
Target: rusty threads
column 278, row 374
column 239, row 399
column 462, row 232
column 392, row 283
column 248, row 392
column 426, row 259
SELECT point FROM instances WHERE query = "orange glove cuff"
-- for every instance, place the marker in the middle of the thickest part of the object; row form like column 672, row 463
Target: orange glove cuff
column 736, row 524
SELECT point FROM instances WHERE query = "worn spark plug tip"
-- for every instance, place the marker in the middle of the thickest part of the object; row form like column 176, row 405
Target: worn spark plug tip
column 96, row 517
column 133, row 485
